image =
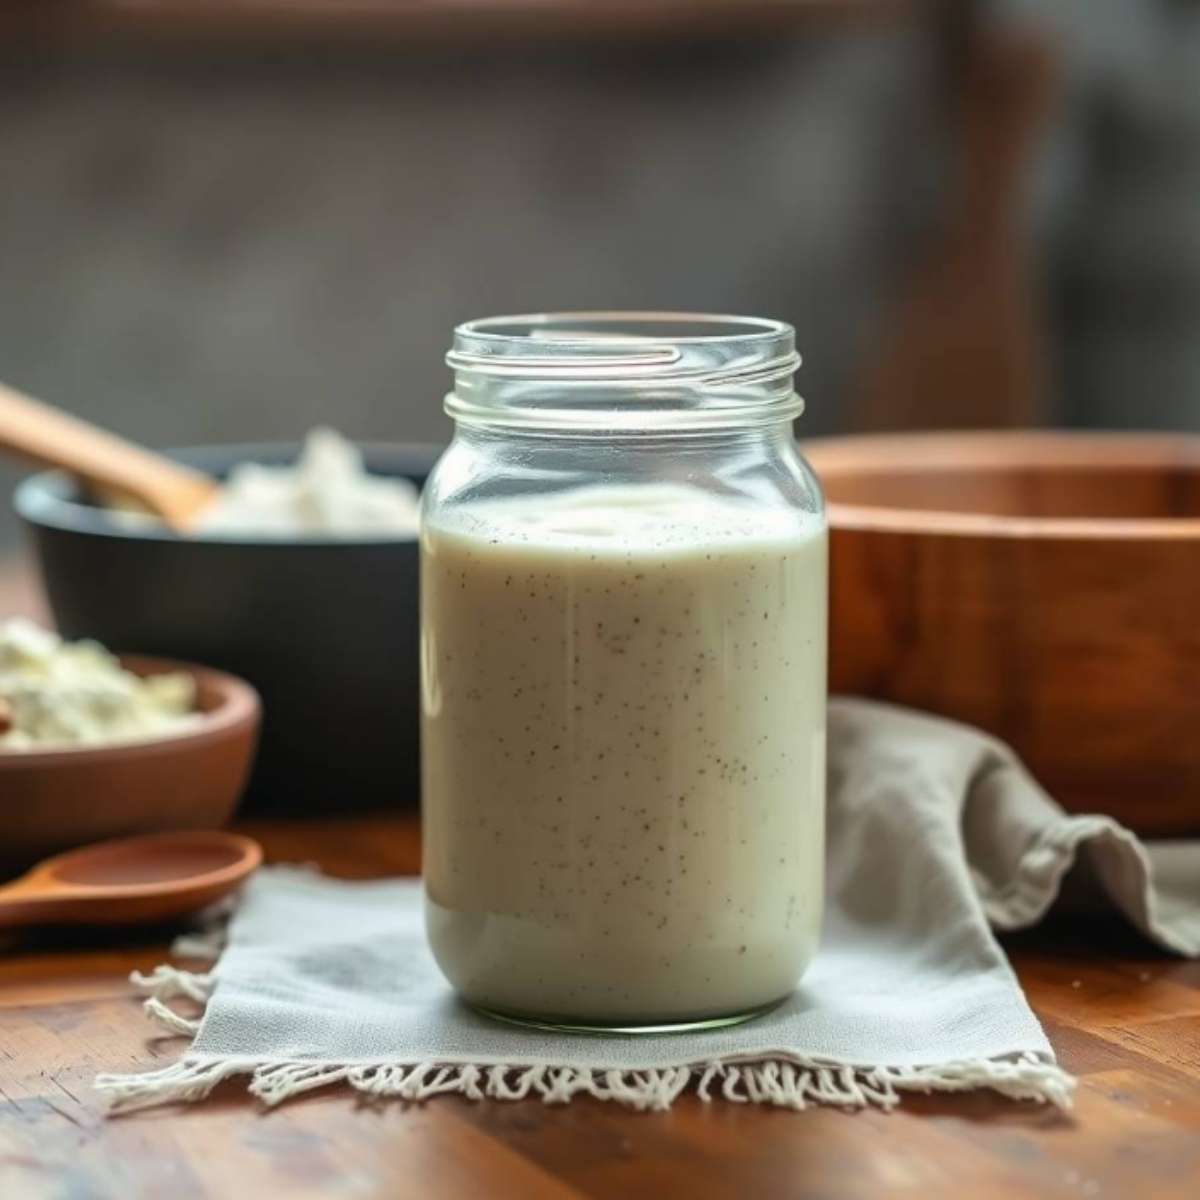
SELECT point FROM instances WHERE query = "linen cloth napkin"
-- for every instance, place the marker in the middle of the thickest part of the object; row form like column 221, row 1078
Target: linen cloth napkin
column 935, row 830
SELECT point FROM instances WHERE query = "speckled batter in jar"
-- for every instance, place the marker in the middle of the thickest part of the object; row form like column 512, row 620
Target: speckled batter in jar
column 624, row 699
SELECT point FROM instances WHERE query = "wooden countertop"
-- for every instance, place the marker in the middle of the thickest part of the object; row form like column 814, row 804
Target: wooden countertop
column 1124, row 1019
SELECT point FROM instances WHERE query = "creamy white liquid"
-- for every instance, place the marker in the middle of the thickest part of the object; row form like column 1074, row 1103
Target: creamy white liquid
column 624, row 736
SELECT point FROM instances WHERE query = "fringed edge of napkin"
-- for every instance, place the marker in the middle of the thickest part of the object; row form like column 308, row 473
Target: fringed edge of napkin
column 784, row 1082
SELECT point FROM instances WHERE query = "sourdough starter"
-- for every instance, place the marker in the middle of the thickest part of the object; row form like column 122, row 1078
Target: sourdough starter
column 624, row 734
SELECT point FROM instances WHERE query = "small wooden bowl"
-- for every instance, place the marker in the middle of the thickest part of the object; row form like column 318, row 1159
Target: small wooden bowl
column 54, row 799
column 1043, row 586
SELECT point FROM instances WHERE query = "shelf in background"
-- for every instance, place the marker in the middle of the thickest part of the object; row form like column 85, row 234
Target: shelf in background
column 442, row 19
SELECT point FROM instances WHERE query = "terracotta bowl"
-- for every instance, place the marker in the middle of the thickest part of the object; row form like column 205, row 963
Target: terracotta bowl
column 53, row 799
column 1043, row 586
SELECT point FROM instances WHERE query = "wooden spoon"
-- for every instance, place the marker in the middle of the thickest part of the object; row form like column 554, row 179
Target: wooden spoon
column 131, row 881
column 30, row 429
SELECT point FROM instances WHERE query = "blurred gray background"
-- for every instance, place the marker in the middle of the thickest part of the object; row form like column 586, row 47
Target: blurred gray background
column 223, row 240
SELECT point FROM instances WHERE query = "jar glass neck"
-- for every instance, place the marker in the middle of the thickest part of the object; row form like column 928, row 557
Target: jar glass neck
column 623, row 374
column 523, row 440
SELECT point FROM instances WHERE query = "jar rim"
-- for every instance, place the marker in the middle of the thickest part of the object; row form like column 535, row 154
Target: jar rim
column 615, row 371
column 737, row 327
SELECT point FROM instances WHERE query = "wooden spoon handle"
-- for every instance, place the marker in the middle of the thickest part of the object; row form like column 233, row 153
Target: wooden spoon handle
column 36, row 431
column 37, row 898
column 26, row 901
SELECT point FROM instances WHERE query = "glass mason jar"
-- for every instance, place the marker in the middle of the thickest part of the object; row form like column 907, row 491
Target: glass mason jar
column 623, row 649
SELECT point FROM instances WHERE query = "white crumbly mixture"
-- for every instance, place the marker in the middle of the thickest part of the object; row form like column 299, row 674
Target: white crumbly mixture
column 327, row 492
column 55, row 693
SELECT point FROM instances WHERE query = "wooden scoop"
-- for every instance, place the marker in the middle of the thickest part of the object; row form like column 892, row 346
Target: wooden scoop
column 131, row 880
column 30, row 429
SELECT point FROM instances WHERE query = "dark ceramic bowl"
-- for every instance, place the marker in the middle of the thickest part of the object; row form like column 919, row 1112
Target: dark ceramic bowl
column 325, row 629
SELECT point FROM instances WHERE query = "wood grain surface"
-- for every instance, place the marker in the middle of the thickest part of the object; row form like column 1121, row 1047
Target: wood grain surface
column 1125, row 1019
column 1122, row 1017
column 1043, row 586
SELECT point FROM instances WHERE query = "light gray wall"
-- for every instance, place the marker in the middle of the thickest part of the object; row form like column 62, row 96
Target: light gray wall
column 232, row 247
column 235, row 245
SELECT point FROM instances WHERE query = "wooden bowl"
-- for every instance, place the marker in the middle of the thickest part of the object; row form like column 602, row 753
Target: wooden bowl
column 54, row 799
column 1043, row 586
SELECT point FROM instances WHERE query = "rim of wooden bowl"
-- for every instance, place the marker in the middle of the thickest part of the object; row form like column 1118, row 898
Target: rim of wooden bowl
column 892, row 452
